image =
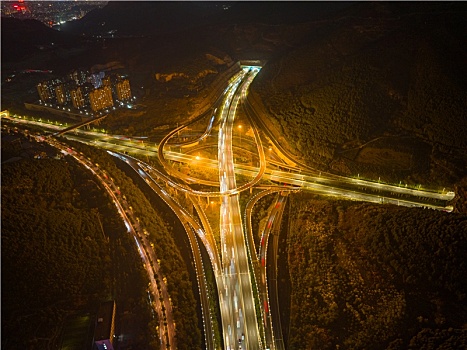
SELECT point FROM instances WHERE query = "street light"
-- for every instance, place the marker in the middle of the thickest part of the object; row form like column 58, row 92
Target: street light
column 240, row 128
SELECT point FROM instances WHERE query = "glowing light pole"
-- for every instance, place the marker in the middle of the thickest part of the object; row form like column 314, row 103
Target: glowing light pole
column 240, row 128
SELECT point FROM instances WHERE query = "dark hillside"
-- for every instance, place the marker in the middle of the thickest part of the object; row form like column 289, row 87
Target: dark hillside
column 282, row 12
column 370, row 276
column 378, row 69
column 152, row 18
column 142, row 18
column 347, row 80
column 21, row 38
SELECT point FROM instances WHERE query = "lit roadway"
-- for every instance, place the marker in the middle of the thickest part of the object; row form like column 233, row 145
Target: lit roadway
column 272, row 338
column 349, row 188
column 239, row 322
column 144, row 248
column 326, row 184
column 192, row 227
column 270, row 291
column 331, row 185
column 233, row 274
column 232, row 96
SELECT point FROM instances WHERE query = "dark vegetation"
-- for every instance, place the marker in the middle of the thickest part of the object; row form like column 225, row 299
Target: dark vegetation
column 333, row 82
column 21, row 38
column 150, row 19
column 213, row 296
column 143, row 19
column 194, row 41
column 259, row 216
column 378, row 90
column 367, row 277
column 171, row 261
column 173, row 94
column 58, row 263
column 62, row 244
column 378, row 69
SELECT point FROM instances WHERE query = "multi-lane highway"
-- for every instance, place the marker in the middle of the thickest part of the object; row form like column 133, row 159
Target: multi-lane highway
column 271, row 299
column 239, row 303
column 239, row 266
column 157, row 290
column 142, row 148
column 193, row 229
column 333, row 185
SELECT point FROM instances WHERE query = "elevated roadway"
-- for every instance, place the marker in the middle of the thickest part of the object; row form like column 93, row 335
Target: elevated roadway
column 193, row 229
column 240, row 327
column 79, row 125
column 235, row 279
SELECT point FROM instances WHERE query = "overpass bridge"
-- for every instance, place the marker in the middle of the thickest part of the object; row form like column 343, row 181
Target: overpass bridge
column 78, row 125
column 252, row 63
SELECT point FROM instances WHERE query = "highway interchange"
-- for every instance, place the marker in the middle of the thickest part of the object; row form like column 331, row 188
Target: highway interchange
column 249, row 311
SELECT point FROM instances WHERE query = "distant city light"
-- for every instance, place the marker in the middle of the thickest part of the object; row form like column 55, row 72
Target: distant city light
column 50, row 13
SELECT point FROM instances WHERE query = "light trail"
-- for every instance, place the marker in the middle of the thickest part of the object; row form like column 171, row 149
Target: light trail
column 233, row 275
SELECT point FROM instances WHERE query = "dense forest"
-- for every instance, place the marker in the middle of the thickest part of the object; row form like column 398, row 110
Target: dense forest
column 392, row 71
column 171, row 261
column 376, row 276
column 65, row 250
column 62, row 242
